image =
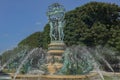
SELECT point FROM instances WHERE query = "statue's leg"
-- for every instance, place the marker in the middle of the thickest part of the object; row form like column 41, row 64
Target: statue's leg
column 62, row 35
column 54, row 37
column 51, row 35
column 59, row 33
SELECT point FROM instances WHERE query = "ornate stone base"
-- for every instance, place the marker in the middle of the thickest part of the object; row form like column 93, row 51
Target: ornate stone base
column 52, row 68
column 56, row 48
column 55, row 51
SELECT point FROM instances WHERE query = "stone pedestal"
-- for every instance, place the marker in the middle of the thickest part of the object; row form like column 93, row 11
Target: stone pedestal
column 55, row 51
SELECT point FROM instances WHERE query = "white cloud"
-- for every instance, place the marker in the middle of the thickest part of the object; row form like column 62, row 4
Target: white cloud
column 5, row 35
column 38, row 23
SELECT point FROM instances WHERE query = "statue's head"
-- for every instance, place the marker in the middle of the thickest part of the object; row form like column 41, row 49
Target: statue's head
column 56, row 12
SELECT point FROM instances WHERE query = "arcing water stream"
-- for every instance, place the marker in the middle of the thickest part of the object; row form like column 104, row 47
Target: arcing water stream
column 23, row 62
column 12, row 59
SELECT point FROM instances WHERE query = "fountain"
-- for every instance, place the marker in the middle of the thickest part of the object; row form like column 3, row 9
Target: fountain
column 64, row 64
column 59, row 62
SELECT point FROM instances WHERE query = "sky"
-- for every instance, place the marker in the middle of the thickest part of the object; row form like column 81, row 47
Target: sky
column 20, row 18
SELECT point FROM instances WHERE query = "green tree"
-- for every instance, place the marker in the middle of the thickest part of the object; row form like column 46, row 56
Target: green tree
column 114, row 40
column 46, row 37
column 91, row 24
column 34, row 40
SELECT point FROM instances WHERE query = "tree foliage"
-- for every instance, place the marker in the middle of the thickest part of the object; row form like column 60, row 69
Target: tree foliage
column 34, row 40
column 93, row 24
column 46, row 37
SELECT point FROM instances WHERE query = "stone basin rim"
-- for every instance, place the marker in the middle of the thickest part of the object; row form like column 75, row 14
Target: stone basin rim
column 56, row 76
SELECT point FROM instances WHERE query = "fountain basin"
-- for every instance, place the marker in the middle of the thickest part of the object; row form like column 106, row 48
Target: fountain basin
column 69, row 77
column 90, row 76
